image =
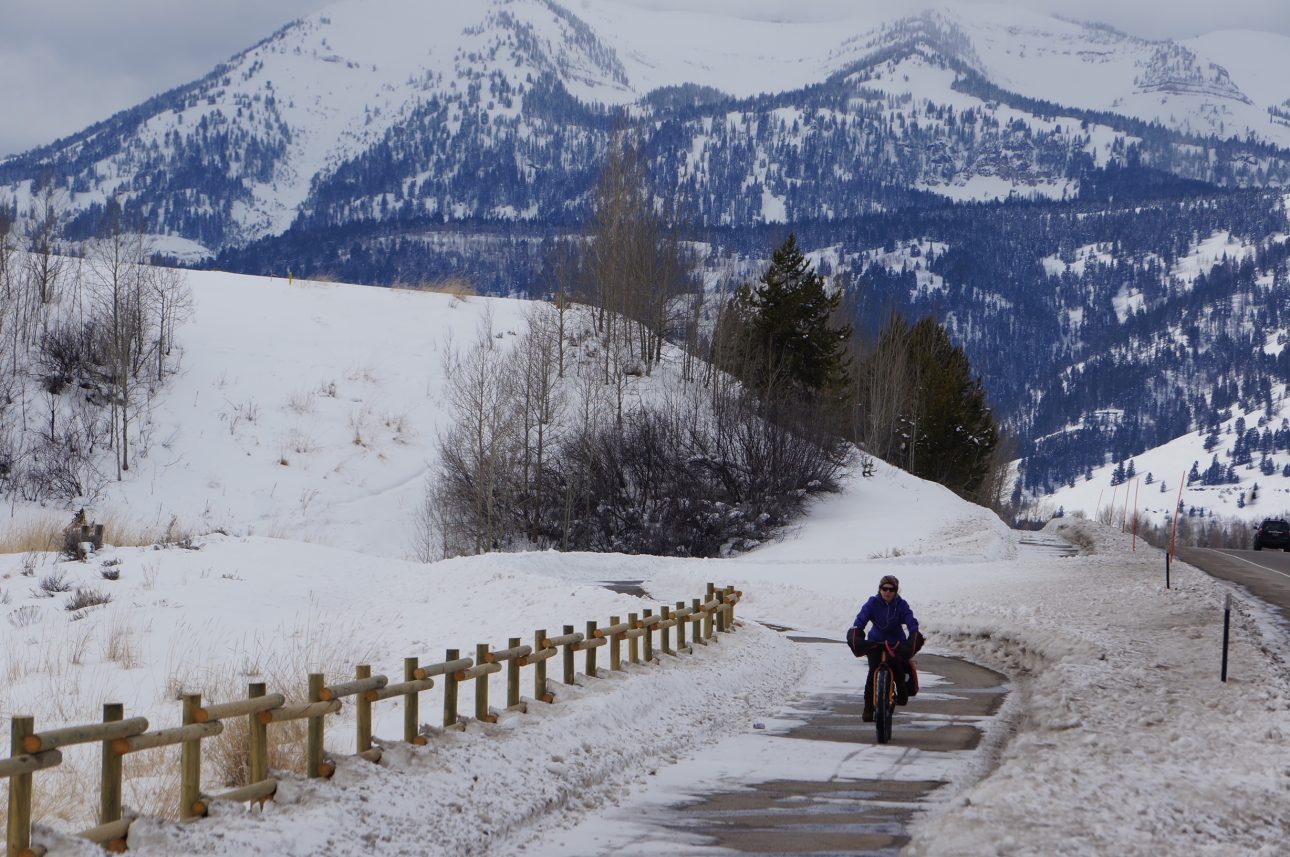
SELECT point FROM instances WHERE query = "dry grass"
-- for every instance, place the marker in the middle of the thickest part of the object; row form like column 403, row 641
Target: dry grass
column 45, row 534
column 66, row 795
column 229, row 753
column 314, row 649
column 318, row 278
column 125, row 532
column 458, row 287
column 122, row 647
column 38, row 535
column 151, row 782
column 58, row 799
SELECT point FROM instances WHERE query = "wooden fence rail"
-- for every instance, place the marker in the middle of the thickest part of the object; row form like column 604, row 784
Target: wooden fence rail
column 32, row 751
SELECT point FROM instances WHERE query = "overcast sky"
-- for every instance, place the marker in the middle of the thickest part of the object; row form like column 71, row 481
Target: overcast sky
column 69, row 63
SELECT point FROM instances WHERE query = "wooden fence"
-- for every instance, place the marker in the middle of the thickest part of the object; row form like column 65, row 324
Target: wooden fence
column 677, row 630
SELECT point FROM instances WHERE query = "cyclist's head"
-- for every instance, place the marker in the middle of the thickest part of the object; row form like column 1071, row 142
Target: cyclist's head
column 889, row 583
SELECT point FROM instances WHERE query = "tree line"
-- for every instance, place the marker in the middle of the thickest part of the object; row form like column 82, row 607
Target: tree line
column 555, row 442
column 87, row 338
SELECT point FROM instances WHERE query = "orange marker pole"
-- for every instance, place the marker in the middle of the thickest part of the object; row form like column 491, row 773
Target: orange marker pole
column 1177, row 512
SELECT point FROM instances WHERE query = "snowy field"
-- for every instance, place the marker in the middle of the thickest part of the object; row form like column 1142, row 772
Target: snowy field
column 1119, row 738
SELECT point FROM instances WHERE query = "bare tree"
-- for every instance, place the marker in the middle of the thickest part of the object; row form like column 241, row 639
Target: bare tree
column 539, row 403
column 8, row 247
column 118, row 273
column 636, row 267
column 44, row 230
column 476, row 450
column 170, row 304
column 881, row 391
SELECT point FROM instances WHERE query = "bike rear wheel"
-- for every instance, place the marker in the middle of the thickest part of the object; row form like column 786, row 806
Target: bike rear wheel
column 884, row 701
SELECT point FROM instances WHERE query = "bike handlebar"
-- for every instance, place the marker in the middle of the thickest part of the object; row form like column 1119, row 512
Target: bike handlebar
column 867, row 646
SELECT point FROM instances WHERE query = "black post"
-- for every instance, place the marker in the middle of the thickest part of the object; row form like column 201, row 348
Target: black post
column 1166, row 569
column 1227, row 616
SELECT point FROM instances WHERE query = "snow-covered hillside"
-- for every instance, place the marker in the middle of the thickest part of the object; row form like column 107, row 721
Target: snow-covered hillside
column 1215, row 478
column 307, row 577
column 303, row 410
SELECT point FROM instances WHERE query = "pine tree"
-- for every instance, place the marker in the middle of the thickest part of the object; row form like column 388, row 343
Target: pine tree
column 952, row 431
column 788, row 342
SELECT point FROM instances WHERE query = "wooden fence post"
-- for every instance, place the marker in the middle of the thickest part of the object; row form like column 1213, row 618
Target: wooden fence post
column 450, row 691
column 633, row 647
column 591, row 652
column 110, row 782
column 719, row 595
column 680, row 627
column 707, row 614
column 190, row 762
column 647, row 645
column 19, row 829
column 699, row 619
column 411, row 703
column 314, row 747
column 513, row 676
column 539, row 670
column 259, row 739
column 665, row 632
column 568, row 657
column 615, row 648
column 730, row 609
column 363, row 710
column 481, row 685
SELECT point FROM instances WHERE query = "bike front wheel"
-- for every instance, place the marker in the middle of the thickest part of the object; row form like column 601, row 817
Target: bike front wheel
column 884, row 694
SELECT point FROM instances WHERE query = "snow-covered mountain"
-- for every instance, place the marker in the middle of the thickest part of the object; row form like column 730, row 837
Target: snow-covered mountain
column 410, row 112
column 391, row 141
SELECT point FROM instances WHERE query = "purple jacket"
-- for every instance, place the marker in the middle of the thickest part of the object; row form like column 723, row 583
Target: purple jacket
column 886, row 619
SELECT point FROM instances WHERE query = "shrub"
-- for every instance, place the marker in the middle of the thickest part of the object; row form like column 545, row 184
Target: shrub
column 84, row 598
column 53, row 583
column 24, row 616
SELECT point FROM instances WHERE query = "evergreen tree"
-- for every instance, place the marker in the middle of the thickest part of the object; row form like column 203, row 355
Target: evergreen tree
column 952, row 433
column 787, row 340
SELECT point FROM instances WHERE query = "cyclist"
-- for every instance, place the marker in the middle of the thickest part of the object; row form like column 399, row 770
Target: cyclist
column 888, row 612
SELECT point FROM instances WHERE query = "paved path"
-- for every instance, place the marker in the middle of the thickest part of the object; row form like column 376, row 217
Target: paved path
column 811, row 782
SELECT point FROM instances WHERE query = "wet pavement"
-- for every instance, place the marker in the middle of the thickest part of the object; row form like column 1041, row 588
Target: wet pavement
column 812, row 780
column 843, row 815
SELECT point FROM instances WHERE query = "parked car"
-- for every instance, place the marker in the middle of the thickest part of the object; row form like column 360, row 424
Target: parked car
column 1272, row 533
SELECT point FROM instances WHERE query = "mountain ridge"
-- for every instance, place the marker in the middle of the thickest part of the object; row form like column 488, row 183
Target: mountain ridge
column 254, row 138
column 392, row 142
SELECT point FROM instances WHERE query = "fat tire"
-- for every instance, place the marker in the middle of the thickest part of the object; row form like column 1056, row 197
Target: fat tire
column 882, row 703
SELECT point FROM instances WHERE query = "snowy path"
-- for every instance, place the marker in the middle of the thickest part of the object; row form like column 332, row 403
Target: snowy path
column 813, row 781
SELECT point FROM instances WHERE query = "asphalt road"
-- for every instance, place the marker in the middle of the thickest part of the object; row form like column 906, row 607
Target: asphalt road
column 1265, row 574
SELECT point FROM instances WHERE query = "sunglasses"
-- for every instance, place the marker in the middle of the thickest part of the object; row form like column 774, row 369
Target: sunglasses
column 886, row 589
